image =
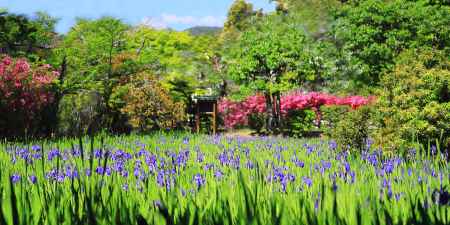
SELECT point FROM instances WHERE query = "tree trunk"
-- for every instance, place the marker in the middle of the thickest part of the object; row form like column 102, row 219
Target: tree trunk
column 318, row 116
column 269, row 112
column 278, row 110
column 58, row 96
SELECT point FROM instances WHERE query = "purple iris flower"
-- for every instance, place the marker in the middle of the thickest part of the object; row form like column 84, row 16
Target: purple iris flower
column 218, row 174
column 36, row 148
column 309, row 149
column 307, row 181
column 332, row 145
column 353, row 176
column 316, row 202
column 15, row 178
column 250, row 165
column 160, row 178
column 99, row 170
column 291, row 177
column 33, row 179
column 37, row 155
column 326, row 164
column 97, row 153
column 199, row 180
column 108, row 171
column 433, row 150
column 52, row 154
column 200, row 157
column 409, row 172
column 397, row 196
column 299, row 163
column 334, row 187
column 388, row 167
column 389, row 192
column 347, row 167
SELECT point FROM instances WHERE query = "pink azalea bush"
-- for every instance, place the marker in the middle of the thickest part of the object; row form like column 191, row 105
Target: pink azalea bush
column 24, row 90
column 236, row 113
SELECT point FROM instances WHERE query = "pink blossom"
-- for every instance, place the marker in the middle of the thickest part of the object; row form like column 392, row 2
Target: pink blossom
column 236, row 113
column 24, row 88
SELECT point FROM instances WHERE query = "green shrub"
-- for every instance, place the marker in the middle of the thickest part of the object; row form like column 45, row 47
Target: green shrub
column 80, row 113
column 352, row 130
column 256, row 122
column 414, row 102
column 331, row 115
column 298, row 123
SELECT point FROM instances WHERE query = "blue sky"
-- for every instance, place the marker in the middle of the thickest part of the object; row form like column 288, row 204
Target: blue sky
column 177, row 14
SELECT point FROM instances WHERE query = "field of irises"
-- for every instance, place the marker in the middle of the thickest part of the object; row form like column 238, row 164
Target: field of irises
column 199, row 179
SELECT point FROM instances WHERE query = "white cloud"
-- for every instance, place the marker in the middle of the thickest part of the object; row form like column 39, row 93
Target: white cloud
column 167, row 20
column 154, row 22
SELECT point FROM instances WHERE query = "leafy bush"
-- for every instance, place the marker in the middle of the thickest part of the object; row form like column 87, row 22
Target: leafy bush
column 415, row 101
column 256, row 122
column 149, row 105
column 79, row 113
column 299, row 122
column 331, row 115
column 25, row 90
column 352, row 131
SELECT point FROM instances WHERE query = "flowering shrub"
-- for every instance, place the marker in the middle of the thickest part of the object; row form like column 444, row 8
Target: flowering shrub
column 24, row 91
column 236, row 113
column 149, row 105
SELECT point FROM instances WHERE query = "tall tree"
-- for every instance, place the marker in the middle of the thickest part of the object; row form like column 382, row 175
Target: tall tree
column 27, row 37
column 94, row 53
column 316, row 16
column 266, row 59
column 238, row 19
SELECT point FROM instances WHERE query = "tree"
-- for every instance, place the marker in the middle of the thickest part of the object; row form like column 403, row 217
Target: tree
column 414, row 102
column 96, row 58
column 316, row 16
column 238, row 15
column 157, row 111
column 21, row 36
column 375, row 32
column 266, row 59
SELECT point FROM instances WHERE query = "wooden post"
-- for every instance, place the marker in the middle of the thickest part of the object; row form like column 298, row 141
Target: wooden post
column 197, row 118
column 214, row 123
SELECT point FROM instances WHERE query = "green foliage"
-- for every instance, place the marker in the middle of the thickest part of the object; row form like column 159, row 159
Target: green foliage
column 149, row 106
column 316, row 16
column 299, row 123
column 415, row 100
column 265, row 53
column 331, row 115
column 353, row 129
column 256, row 122
column 375, row 32
column 204, row 30
column 80, row 113
column 238, row 20
column 102, row 55
column 22, row 36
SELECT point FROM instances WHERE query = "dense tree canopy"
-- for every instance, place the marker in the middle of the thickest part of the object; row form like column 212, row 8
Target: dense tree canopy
column 28, row 37
column 376, row 31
